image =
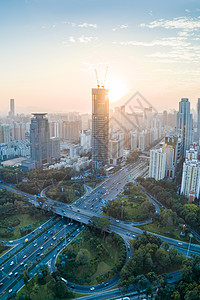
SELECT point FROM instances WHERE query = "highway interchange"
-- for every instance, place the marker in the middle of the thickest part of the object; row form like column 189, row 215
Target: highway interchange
column 73, row 217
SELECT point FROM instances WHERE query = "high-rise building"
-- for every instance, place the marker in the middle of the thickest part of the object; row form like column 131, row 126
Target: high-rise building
column 157, row 164
column 198, row 120
column 40, row 140
column 190, row 185
column 165, row 123
column 184, row 124
column 85, row 142
column 4, row 133
column 100, row 127
column 12, row 108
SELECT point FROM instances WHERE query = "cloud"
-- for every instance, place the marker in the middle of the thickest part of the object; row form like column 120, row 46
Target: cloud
column 171, row 42
column 82, row 39
column 86, row 39
column 72, row 39
column 123, row 26
column 86, row 25
column 184, row 23
column 83, row 25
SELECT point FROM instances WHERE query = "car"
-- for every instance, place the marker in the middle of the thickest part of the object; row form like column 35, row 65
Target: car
column 41, row 248
column 16, row 273
column 78, row 230
column 68, row 240
column 72, row 286
column 37, row 254
column 92, row 288
column 117, row 221
column 60, row 225
column 1, row 283
column 22, row 263
column 54, row 255
column 78, row 218
column 24, row 256
column 73, row 235
column 10, row 291
column 35, row 245
column 106, row 284
column 42, row 254
column 128, row 248
column 133, row 235
column 10, row 274
column 78, row 210
column 180, row 243
column 2, row 269
column 51, row 233
column 45, row 237
column 54, row 238
column 58, row 249
column 12, row 263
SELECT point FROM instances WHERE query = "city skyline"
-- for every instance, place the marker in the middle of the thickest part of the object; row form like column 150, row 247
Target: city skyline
column 50, row 50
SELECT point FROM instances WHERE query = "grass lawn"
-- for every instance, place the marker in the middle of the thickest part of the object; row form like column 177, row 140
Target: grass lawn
column 131, row 210
column 3, row 249
column 90, row 258
column 67, row 193
column 25, row 219
column 169, row 231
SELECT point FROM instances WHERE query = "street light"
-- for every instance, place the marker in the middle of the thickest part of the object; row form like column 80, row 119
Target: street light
column 191, row 236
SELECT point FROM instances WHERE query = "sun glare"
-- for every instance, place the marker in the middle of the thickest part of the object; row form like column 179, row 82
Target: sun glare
column 117, row 89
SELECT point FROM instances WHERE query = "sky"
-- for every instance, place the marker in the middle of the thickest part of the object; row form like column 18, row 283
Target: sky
column 49, row 50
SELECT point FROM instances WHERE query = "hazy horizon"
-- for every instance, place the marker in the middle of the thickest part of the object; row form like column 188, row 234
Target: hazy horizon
column 50, row 50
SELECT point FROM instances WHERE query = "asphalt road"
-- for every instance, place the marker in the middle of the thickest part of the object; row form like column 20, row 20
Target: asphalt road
column 82, row 211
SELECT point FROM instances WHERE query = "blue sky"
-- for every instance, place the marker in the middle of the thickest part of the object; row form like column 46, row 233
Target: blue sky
column 50, row 49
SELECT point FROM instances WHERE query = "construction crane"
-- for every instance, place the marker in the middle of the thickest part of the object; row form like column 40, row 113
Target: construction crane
column 98, row 83
column 105, row 77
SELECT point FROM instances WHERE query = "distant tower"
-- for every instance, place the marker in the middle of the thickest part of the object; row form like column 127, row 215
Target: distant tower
column 12, row 108
column 100, row 127
column 184, row 124
column 40, row 140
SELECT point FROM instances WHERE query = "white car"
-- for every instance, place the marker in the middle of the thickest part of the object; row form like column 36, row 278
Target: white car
column 24, row 256
column 92, row 289
column 10, row 274
column 180, row 243
column 12, row 263
column 10, row 291
column 41, row 248
column 35, row 245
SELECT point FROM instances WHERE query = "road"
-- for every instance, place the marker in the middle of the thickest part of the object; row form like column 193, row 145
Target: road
column 82, row 211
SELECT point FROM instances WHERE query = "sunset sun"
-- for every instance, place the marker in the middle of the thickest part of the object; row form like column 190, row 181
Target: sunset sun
column 117, row 89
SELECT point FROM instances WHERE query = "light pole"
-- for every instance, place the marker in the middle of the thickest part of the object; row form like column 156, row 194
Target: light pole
column 122, row 210
column 191, row 236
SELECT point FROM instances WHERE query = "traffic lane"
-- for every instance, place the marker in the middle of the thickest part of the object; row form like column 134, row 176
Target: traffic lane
column 94, row 288
column 31, row 234
column 25, row 252
column 48, row 257
column 39, row 252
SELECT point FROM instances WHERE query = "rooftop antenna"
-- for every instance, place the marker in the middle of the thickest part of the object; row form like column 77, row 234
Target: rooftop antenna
column 105, row 77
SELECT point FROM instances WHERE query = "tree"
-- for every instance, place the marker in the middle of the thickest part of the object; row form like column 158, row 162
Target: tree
column 60, row 289
column 100, row 223
column 25, row 276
